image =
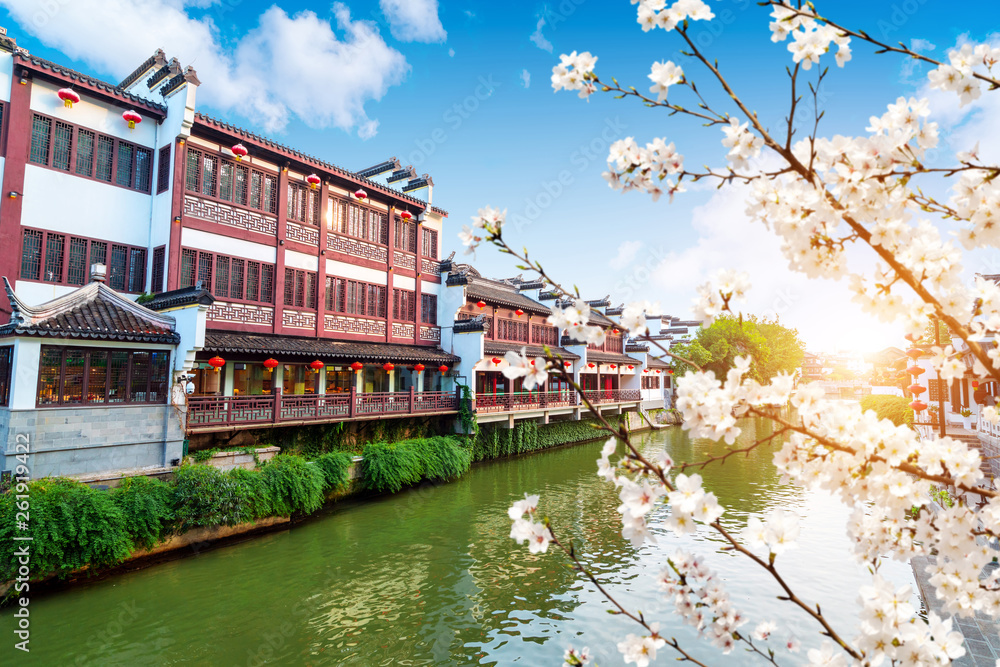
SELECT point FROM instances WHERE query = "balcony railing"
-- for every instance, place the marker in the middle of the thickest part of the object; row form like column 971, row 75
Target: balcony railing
column 538, row 400
column 219, row 412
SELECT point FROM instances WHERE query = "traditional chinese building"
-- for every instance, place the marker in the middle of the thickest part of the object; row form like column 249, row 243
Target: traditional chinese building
column 300, row 291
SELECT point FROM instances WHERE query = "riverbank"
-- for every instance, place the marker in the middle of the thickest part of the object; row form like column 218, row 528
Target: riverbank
column 83, row 533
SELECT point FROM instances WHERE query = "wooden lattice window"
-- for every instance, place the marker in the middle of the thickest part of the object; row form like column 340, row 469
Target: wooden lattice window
column 163, row 170
column 41, row 139
column 300, row 288
column 31, row 254
column 428, row 308
column 118, row 268
column 76, row 273
column 85, row 147
column 62, row 146
column 137, row 270
column 403, row 305
column 75, row 376
column 159, row 264
column 430, row 243
column 105, row 158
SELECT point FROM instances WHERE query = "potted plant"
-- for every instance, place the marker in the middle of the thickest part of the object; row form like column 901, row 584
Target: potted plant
column 966, row 417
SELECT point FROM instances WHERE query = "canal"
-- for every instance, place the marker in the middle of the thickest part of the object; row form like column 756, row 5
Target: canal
column 430, row 577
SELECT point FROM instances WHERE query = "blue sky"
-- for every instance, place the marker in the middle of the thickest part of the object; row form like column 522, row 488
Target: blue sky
column 475, row 109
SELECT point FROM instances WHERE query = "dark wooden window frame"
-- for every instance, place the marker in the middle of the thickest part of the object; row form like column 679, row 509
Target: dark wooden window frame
column 159, row 269
column 340, row 224
column 211, row 287
column 403, row 299
column 107, row 381
column 6, row 372
column 309, row 299
column 264, row 173
column 310, row 200
column 407, row 231
column 429, row 243
column 336, row 297
column 512, row 330
column 63, row 279
column 428, row 305
column 163, row 169
column 73, row 167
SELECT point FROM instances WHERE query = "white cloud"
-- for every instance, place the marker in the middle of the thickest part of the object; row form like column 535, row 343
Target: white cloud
column 626, row 253
column 525, row 78
column 414, row 20
column 286, row 66
column 912, row 65
column 451, row 53
column 539, row 39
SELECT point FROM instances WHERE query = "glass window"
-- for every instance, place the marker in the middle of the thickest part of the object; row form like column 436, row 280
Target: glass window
column 298, row 380
column 49, row 374
column 339, row 379
column 41, row 130
column 6, row 362
column 118, row 380
column 248, row 379
column 97, row 378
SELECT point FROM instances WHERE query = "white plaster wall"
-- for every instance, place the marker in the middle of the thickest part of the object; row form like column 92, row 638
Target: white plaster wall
column 191, row 327
column 344, row 270
column 468, row 346
column 404, row 282
column 300, row 260
column 430, row 288
column 92, row 114
column 70, row 204
column 24, row 388
column 195, row 238
column 6, row 74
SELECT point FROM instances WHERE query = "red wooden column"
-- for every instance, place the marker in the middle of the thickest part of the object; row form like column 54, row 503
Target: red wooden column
column 391, row 262
column 279, row 262
column 324, row 198
column 18, row 144
column 173, row 267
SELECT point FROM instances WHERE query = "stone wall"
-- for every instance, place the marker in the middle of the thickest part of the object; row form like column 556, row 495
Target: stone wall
column 77, row 441
column 990, row 452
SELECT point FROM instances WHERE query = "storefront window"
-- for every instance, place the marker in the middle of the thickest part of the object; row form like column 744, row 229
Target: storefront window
column 251, row 379
column 76, row 376
column 299, row 379
column 491, row 383
column 339, row 379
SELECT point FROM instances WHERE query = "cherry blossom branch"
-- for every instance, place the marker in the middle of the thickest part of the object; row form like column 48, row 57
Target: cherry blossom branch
column 717, row 119
column 864, row 36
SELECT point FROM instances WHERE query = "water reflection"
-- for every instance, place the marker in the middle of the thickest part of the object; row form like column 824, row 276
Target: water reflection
column 429, row 576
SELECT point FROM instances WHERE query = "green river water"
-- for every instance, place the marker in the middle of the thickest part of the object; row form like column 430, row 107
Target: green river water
column 429, row 577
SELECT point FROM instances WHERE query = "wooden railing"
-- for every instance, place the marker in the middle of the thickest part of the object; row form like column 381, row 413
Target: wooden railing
column 216, row 412
column 535, row 400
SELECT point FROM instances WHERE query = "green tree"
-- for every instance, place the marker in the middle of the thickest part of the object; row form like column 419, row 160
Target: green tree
column 773, row 347
column 787, row 350
column 689, row 350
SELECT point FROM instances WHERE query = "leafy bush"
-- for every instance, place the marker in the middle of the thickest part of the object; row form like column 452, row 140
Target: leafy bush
column 495, row 441
column 443, row 458
column 292, row 485
column 894, row 408
column 205, row 496
column 72, row 526
column 147, row 507
column 335, row 467
column 390, row 466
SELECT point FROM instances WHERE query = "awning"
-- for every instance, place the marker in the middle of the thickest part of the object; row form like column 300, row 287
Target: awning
column 495, row 347
column 217, row 342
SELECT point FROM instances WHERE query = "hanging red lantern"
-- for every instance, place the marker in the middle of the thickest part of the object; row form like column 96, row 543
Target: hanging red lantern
column 657, row 371
column 313, row 180
column 631, row 367
column 496, row 361
column 918, row 406
column 914, row 353
column 645, row 370
column 418, row 368
column 216, row 362
column 590, row 365
column 316, row 365
column 671, row 371
column 567, row 364
column 915, row 370
column 443, row 369
column 68, row 96
column 519, row 312
column 360, row 194
column 916, row 389
column 357, row 366
column 387, row 366
column 480, row 304
column 613, row 366
column 406, row 215
column 270, row 364
column 132, row 118
column 975, row 384
column 240, row 151
column 913, row 338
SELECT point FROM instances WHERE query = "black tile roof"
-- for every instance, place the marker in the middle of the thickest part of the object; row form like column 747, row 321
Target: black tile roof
column 111, row 89
column 278, row 346
column 636, row 347
column 656, row 362
column 94, row 312
column 495, row 347
column 611, row 358
column 504, row 297
column 184, row 296
column 470, row 325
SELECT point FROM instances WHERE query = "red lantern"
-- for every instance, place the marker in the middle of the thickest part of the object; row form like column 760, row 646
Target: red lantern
column 519, row 312
column 240, row 151
column 270, row 364
column 480, row 304
column 613, row 366
column 631, row 367
column 387, row 366
column 916, row 389
column 918, row 406
column 132, row 118
column 356, row 366
column 975, row 384
column 591, row 365
column 360, row 194
column 216, row 362
column 567, row 364
column 313, row 180
column 915, row 370
column 914, row 353
column 443, row 369
column 913, row 338
column 418, row 368
column 671, row 371
column 406, row 215
column 496, row 361
column 657, row 371
column 316, row 365
column 68, row 96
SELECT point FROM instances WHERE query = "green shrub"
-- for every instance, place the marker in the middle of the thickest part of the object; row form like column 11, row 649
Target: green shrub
column 147, row 506
column 390, row 467
column 293, row 484
column 494, row 441
column 443, row 457
column 71, row 525
column 336, row 468
column 204, row 496
column 255, row 492
column 894, row 408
